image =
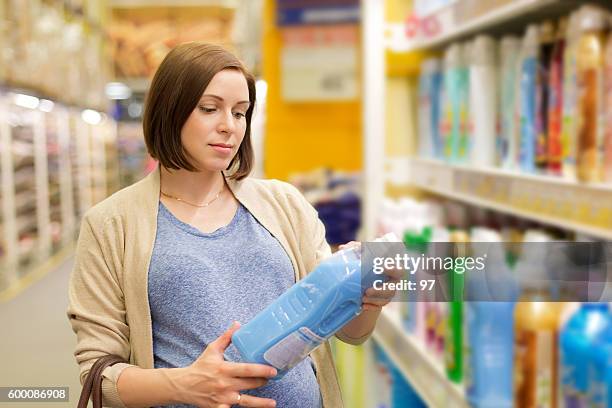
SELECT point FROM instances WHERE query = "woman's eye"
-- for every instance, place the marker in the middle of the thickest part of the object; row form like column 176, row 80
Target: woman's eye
column 239, row 115
column 207, row 110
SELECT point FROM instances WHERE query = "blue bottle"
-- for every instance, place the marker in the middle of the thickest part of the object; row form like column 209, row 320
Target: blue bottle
column 307, row 314
column 528, row 92
column 600, row 371
column 489, row 354
column 578, row 338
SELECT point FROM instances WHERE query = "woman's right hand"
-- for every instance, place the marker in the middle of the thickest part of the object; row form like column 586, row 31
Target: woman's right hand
column 212, row 382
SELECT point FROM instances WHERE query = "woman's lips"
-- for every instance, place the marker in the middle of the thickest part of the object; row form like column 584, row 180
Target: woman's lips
column 222, row 148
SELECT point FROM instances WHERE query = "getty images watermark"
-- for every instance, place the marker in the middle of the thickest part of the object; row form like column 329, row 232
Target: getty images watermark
column 565, row 271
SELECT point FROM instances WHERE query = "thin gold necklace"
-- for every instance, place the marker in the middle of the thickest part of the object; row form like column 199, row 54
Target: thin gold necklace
column 192, row 204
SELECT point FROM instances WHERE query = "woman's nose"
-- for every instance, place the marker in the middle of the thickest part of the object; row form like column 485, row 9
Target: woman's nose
column 226, row 124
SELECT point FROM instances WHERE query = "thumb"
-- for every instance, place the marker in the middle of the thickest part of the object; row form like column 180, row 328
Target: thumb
column 221, row 343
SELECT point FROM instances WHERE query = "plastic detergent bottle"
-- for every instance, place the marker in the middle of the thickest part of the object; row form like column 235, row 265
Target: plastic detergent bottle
column 483, row 100
column 488, row 325
column 414, row 319
column 608, row 111
column 454, row 335
column 528, row 91
column 555, row 101
column 581, row 334
column 600, row 371
column 307, row 314
column 570, row 99
column 455, row 118
column 429, row 109
column 546, row 37
column 590, row 67
column 536, row 326
column 435, row 312
column 508, row 131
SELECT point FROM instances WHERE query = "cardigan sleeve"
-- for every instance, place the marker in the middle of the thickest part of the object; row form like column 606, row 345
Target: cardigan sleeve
column 96, row 308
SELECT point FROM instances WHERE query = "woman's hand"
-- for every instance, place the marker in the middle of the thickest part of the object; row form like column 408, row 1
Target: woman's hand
column 212, row 382
column 375, row 299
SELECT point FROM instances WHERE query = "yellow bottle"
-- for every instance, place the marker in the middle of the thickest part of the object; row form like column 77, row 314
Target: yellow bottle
column 590, row 67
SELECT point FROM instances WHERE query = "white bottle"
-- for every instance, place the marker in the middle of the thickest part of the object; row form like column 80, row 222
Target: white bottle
column 483, row 101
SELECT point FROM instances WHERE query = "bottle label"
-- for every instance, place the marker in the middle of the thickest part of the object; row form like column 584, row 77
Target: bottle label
column 535, row 369
column 292, row 349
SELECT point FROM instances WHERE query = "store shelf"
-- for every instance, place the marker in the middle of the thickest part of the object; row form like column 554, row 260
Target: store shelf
column 416, row 364
column 453, row 27
column 579, row 207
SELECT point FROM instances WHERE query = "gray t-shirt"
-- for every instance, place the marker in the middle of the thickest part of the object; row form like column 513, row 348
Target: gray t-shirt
column 199, row 283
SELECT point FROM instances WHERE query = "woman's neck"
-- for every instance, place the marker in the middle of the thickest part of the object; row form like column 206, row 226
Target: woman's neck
column 196, row 187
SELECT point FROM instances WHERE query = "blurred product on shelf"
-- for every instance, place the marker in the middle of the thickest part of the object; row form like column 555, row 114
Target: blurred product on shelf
column 134, row 160
column 581, row 334
column 509, row 80
column 483, row 101
column 392, row 389
column 528, row 91
column 57, row 165
column 335, row 196
column 590, row 68
column 56, row 50
column 539, row 106
column 454, row 127
column 141, row 39
column 503, row 353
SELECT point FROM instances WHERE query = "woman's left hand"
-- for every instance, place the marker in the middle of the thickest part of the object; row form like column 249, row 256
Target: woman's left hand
column 375, row 299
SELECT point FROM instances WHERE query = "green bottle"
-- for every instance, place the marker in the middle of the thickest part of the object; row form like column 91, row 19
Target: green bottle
column 454, row 331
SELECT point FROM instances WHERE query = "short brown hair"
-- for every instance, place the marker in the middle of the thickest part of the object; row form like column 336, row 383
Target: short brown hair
column 175, row 91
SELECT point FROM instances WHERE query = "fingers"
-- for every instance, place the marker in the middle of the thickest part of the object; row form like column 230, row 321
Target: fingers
column 351, row 244
column 250, row 401
column 373, row 294
column 221, row 343
column 247, row 370
column 247, row 383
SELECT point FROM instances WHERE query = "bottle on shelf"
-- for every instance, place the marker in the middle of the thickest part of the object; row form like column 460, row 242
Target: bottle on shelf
column 483, row 100
column 430, row 80
column 454, row 122
column 580, row 335
column 528, row 99
column 488, row 325
column 590, row 65
column 536, row 327
column 600, row 371
column 570, row 98
column 555, row 101
column 608, row 111
column 454, row 331
column 546, row 37
column 508, row 135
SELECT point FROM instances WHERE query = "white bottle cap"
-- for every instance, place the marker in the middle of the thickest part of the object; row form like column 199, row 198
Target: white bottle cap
column 483, row 51
column 452, row 57
column 592, row 18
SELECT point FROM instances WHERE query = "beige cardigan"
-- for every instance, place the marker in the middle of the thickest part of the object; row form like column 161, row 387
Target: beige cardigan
column 109, row 307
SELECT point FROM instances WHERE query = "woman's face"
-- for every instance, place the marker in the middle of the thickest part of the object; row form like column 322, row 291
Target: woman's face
column 213, row 132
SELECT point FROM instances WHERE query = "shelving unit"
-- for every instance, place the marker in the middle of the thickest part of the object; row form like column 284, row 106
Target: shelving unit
column 46, row 170
column 424, row 373
column 578, row 207
column 567, row 205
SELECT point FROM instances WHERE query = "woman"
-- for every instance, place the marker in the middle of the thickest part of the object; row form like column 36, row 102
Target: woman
column 164, row 266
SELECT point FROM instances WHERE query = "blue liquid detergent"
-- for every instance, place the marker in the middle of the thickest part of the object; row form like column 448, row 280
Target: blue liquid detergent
column 307, row 314
column 577, row 340
column 600, row 371
column 489, row 354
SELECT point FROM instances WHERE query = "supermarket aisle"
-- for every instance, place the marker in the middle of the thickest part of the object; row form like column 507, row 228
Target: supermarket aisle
column 37, row 345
